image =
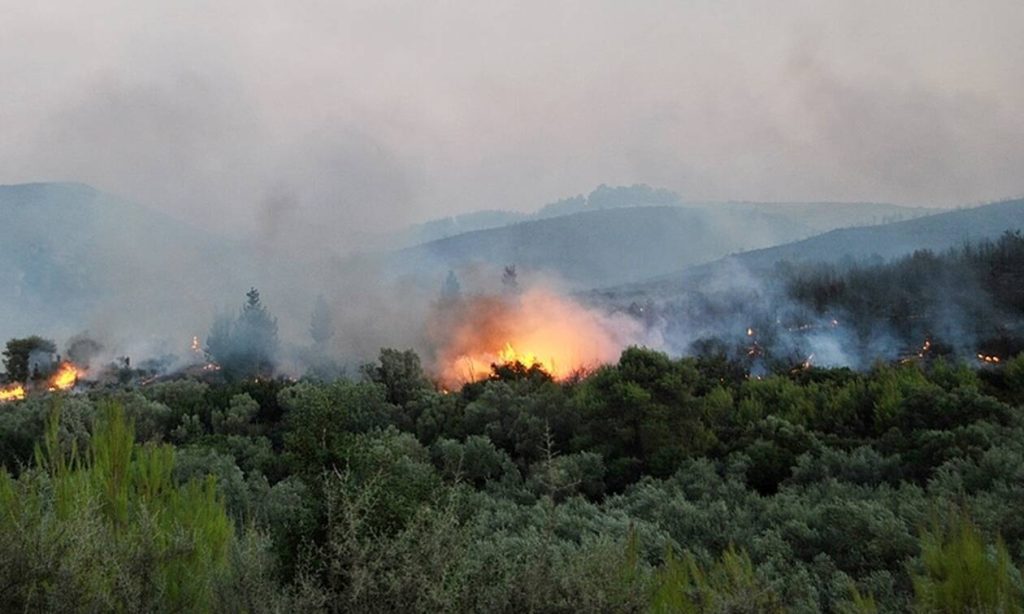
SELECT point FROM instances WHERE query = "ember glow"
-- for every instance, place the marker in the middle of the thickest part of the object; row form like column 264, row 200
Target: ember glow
column 14, row 392
column 65, row 377
column 538, row 327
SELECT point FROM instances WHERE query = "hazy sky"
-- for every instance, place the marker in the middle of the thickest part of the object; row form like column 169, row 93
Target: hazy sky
column 340, row 116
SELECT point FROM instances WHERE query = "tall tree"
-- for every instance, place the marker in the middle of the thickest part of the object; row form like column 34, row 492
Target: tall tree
column 257, row 334
column 17, row 356
column 321, row 328
column 451, row 290
column 247, row 346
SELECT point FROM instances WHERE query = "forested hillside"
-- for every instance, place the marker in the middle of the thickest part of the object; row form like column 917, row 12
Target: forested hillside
column 70, row 254
column 963, row 303
column 938, row 232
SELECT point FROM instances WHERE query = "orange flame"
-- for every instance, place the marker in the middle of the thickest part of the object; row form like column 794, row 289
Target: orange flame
column 537, row 327
column 508, row 354
column 65, row 377
column 14, row 392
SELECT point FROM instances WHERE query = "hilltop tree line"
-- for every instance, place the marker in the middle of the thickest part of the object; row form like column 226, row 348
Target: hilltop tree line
column 961, row 303
column 972, row 296
column 653, row 484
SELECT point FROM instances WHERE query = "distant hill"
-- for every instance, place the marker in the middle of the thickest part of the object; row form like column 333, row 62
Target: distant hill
column 814, row 217
column 605, row 246
column 450, row 226
column 936, row 232
column 825, row 216
column 73, row 256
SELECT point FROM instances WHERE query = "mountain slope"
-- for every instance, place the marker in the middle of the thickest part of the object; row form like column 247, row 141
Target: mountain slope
column 71, row 254
column 816, row 217
column 604, row 246
column 936, row 232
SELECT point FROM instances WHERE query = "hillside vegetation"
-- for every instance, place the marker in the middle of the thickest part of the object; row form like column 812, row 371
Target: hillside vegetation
column 648, row 485
column 937, row 232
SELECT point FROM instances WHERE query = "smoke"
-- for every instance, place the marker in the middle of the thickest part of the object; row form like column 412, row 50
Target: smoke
column 277, row 139
column 854, row 314
column 371, row 115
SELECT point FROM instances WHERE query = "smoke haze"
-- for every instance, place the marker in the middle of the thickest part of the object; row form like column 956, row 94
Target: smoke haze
column 290, row 136
column 329, row 120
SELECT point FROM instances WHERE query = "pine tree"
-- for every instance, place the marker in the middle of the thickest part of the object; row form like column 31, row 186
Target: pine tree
column 321, row 329
column 247, row 346
column 256, row 332
column 451, row 291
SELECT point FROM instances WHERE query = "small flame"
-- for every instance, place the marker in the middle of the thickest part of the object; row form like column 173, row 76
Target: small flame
column 14, row 392
column 65, row 377
column 925, row 348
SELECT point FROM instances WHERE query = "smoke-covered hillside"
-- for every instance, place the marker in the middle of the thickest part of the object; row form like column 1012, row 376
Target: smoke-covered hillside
column 839, row 299
column 812, row 217
column 938, row 232
column 609, row 246
column 73, row 258
column 76, row 260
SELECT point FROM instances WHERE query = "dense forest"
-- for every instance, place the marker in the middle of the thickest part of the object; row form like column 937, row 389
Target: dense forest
column 652, row 484
column 971, row 297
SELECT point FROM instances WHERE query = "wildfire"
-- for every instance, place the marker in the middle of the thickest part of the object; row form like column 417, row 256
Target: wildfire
column 537, row 327
column 14, row 392
column 755, row 348
column 65, row 377
column 991, row 360
column 925, row 348
column 196, row 348
column 508, row 355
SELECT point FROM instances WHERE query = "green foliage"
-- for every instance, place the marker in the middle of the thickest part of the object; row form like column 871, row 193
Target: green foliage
column 109, row 529
column 321, row 419
column 730, row 584
column 960, row 572
column 400, row 373
column 650, row 484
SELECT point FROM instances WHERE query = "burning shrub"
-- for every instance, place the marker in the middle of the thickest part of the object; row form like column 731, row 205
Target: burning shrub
column 535, row 327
